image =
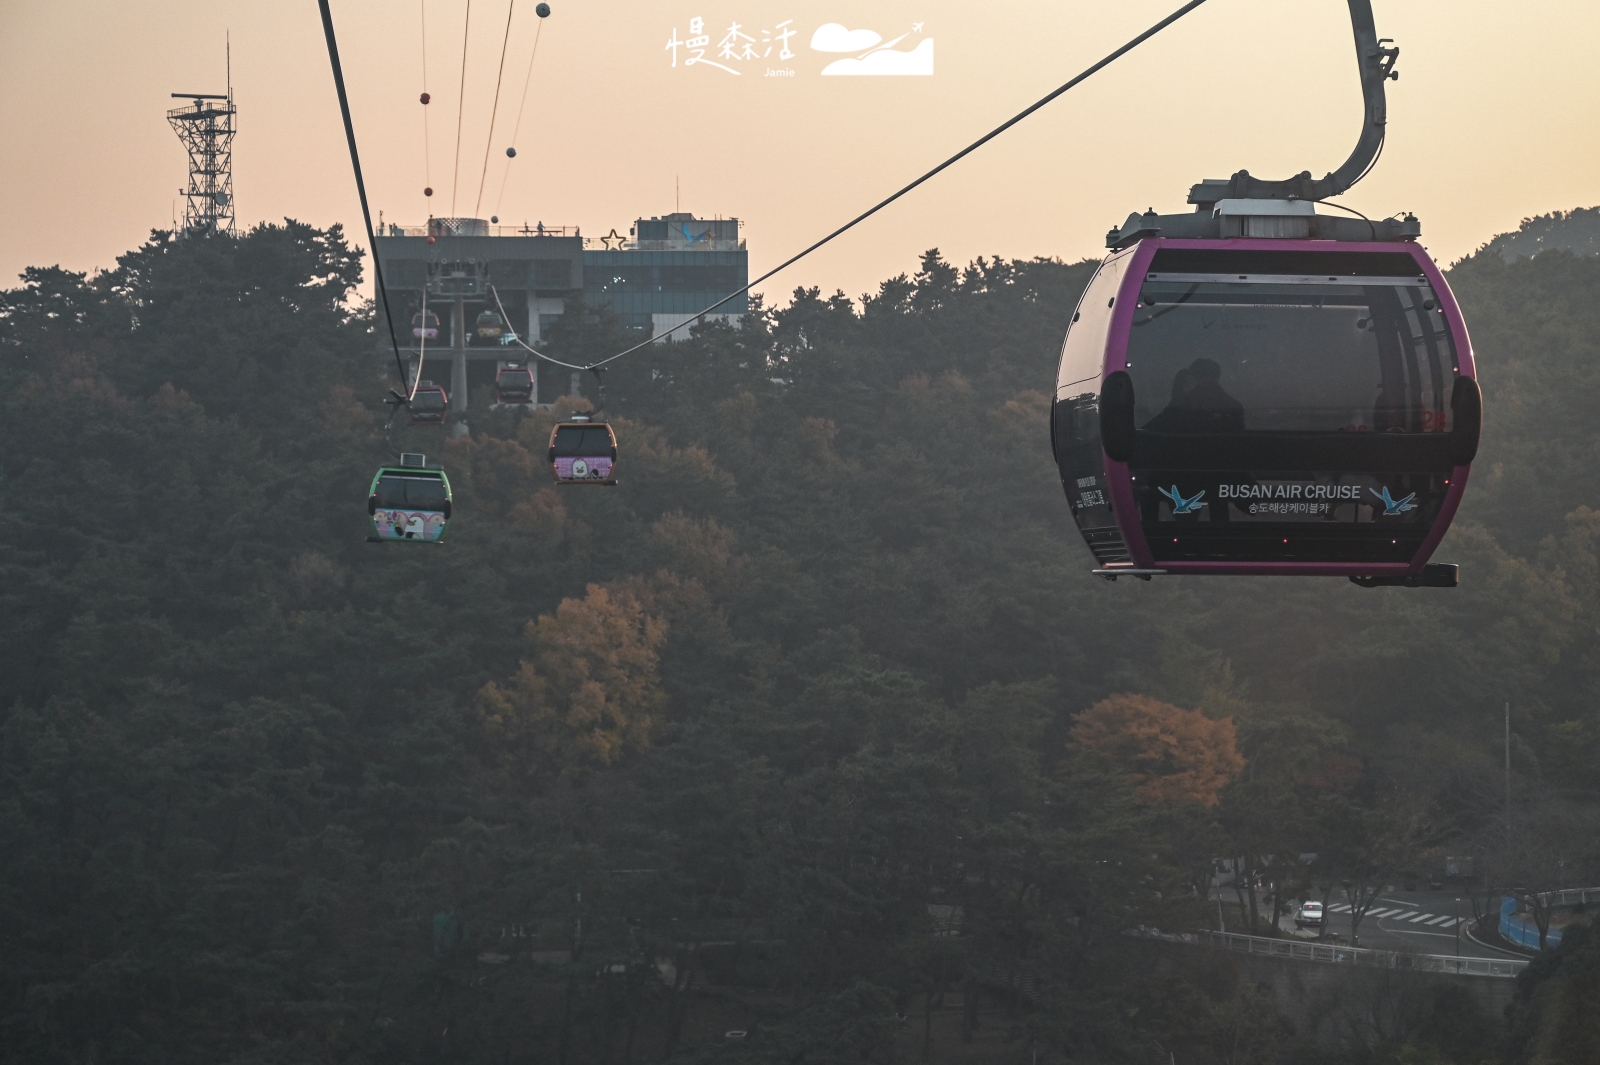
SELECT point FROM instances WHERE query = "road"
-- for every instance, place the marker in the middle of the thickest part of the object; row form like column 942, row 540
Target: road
column 1419, row 921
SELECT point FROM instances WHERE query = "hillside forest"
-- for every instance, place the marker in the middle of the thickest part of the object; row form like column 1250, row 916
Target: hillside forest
column 814, row 724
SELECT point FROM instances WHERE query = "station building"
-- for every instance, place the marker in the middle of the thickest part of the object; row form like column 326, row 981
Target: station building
column 668, row 270
column 661, row 274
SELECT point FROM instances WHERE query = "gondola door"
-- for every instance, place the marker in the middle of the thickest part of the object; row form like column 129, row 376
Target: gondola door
column 1075, row 415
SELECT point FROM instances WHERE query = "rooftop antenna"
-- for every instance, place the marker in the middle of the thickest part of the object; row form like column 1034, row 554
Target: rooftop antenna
column 206, row 129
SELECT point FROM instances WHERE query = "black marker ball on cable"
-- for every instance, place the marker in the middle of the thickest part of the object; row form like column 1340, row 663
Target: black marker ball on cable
column 543, row 10
column 511, row 153
column 426, row 98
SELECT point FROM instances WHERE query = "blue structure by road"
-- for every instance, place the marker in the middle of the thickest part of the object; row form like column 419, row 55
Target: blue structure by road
column 1522, row 931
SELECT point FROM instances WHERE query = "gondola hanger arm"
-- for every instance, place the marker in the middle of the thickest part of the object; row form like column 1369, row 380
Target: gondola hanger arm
column 1375, row 59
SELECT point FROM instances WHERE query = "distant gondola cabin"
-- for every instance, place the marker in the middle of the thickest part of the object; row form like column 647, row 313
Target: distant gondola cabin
column 429, row 406
column 409, row 502
column 490, row 326
column 425, row 326
column 513, row 383
column 583, row 452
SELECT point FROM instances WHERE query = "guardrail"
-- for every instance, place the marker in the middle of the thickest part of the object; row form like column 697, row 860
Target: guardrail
column 613, row 242
column 1337, row 954
column 1570, row 896
column 391, row 229
column 704, row 244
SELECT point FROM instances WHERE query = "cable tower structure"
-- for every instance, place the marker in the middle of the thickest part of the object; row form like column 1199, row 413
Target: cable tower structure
column 206, row 128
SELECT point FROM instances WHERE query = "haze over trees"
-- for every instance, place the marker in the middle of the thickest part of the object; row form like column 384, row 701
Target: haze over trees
column 815, row 722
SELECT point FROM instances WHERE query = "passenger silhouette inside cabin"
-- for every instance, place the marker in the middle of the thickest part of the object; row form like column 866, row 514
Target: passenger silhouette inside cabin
column 1199, row 403
column 1168, row 420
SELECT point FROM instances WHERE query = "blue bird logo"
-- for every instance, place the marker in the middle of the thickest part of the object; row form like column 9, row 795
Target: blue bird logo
column 1181, row 505
column 1392, row 506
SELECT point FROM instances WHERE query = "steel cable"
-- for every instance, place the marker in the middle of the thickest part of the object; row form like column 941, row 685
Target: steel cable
column 880, row 205
column 963, row 153
column 427, row 144
column 461, row 103
column 494, row 111
column 517, row 129
column 361, row 185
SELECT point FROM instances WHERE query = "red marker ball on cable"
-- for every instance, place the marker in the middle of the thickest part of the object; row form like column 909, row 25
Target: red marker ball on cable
column 426, row 98
column 428, row 191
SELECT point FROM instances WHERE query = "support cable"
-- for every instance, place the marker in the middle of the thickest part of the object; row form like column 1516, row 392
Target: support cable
column 535, row 351
column 494, row 111
column 411, row 392
column 422, row 348
column 517, row 129
column 361, row 186
column 1373, row 229
column 962, row 154
column 461, row 104
column 1383, row 140
column 1376, row 156
column 427, row 144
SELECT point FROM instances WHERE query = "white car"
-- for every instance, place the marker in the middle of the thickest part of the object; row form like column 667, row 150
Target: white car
column 1309, row 913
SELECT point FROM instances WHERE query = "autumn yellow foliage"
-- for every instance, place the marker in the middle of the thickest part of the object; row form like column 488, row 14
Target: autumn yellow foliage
column 589, row 690
column 1173, row 756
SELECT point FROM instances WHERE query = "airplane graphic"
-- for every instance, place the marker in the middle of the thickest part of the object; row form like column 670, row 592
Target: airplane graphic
column 1392, row 506
column 916, row 27
column 1181, row 505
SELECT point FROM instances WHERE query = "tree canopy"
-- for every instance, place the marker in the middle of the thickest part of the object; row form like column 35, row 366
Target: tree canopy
column 1173, row 757
column 814, row 724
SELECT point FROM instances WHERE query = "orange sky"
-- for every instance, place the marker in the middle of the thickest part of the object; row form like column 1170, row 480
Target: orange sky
column 1494, row 118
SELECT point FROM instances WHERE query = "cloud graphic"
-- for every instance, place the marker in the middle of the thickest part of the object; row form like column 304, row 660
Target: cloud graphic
column 887, row 61
column 835, row 38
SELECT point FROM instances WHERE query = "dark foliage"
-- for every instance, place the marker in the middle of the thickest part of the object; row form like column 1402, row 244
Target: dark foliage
column 1553, row 1018
column 788, row 752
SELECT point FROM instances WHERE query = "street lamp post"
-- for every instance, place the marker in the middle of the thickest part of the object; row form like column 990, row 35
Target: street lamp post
column 1458, row 927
